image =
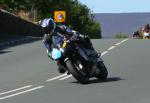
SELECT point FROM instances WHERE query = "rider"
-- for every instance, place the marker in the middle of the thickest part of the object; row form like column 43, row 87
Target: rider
column 146, row 31
column 51, row 29
column 136, row 35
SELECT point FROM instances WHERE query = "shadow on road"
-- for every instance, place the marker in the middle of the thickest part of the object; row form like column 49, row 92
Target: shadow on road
column 2, row 52
column 21, row 41
column 110, row 79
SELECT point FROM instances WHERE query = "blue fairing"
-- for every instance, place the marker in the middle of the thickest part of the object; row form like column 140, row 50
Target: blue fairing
column 56, row 54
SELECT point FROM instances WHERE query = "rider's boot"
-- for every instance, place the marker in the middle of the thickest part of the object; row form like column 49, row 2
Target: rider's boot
column 60, row 69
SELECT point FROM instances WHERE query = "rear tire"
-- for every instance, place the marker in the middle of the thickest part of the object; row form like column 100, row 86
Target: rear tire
column 103, row 73
column 146, row 37
column 75, row 73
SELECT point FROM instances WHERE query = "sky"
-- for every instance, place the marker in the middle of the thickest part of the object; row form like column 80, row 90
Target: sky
column 117, row 6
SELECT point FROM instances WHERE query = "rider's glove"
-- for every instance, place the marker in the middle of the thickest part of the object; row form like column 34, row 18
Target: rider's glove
column 49, row 55
column 74, row 38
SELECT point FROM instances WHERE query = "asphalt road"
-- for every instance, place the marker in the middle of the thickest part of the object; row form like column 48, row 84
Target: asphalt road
column 28, row 76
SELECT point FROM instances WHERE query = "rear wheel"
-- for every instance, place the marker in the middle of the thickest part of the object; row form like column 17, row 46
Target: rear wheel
column 76, row 73
column 103, row 73
column 146, row 37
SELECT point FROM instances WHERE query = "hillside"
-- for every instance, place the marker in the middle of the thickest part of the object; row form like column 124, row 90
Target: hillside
column 113, row 23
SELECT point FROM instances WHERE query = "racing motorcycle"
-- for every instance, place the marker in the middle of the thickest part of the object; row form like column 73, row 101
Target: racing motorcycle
column 146, row 36
column 78, row 61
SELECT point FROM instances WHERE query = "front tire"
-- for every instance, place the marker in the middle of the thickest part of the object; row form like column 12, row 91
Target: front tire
column 75, row 73
column 103, row 73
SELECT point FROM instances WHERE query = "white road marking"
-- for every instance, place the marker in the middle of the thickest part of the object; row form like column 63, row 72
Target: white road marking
column 23, row 92
column 112, row 47
column 105, row 52
column 121, row 42
column 16, row 90
column 66, row 77
column 56, row 77
column 118, row 44
column 124, row 40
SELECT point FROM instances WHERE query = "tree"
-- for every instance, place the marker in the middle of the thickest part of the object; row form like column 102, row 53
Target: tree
column 81, row 19
column 78, row 16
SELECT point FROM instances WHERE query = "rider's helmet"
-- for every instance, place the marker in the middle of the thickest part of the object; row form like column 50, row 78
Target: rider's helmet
column 147, row 25
column 48, row 25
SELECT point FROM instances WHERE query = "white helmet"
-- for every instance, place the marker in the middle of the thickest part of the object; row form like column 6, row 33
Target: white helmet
column 48, row 25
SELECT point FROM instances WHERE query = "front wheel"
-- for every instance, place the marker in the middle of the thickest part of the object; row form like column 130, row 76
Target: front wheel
column 103, row 73
column 75, row 73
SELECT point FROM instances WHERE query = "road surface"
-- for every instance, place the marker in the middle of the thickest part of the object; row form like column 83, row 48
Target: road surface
column 28, row 76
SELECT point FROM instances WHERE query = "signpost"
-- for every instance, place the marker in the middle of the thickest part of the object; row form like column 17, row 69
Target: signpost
column 60, row 16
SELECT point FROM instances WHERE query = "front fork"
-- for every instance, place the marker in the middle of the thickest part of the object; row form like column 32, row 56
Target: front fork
column 95, row 68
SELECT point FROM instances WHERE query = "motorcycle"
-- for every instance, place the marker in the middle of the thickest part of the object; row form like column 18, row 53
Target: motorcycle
column 146, row 36
column 79, row 61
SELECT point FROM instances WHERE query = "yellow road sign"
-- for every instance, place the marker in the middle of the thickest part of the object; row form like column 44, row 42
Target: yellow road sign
column 59, row 16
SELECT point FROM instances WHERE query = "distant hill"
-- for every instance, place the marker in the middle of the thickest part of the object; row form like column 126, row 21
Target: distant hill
column 113, row 23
